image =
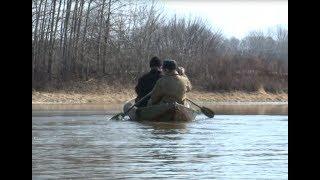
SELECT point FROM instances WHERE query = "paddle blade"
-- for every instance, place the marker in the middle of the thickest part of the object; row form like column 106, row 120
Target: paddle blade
column 117, row 117
column 208, row 112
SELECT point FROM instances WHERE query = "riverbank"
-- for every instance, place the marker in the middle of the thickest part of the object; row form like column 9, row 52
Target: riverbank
column 116, row 96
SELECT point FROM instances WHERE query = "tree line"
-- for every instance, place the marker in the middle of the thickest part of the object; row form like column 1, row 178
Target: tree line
column 113, row 40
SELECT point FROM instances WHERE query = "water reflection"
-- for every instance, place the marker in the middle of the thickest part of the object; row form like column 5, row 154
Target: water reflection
column 101, row 109
column 166, row 127
column 266, row 109
column 166, row 139
column 226, row 147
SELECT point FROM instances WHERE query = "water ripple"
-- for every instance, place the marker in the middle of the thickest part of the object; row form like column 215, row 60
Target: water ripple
column 226, row 147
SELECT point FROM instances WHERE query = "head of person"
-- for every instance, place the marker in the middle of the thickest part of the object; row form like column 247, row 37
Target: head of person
column 155, row 63
column 169, row 66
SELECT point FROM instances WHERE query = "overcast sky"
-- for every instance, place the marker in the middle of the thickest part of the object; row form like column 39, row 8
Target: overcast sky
column 233, row 18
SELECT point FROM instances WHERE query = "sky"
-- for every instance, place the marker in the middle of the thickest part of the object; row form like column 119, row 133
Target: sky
column 233, row 18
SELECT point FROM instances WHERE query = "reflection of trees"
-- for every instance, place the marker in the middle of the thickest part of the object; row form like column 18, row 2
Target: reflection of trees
column 165, row 138
column 250, row 109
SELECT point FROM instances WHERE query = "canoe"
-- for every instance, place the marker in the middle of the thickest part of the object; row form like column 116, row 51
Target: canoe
column 172, row 112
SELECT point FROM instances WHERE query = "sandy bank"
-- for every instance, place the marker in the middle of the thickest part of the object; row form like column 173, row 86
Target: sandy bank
column 113, row 96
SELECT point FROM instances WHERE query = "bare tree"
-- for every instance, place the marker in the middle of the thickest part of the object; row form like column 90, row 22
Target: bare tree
column 113, row 40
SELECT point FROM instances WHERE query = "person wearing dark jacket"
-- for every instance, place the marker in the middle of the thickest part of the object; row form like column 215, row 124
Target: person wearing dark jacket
column 148, row 80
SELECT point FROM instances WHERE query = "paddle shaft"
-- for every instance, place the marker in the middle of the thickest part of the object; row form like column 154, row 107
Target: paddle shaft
column 206, row 111
column 146, row 96
column 194, row 103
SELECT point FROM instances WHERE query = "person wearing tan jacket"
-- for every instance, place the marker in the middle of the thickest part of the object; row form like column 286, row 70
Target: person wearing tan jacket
column 172, row 87
column 181, row 72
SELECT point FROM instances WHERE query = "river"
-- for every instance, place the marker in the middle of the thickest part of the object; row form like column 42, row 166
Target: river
column 235, row 144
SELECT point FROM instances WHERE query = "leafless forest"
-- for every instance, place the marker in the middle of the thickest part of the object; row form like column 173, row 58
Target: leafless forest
column 113, row 40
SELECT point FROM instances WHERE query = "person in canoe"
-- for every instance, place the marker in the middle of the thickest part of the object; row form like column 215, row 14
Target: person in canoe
column 181, row 72
column 172, row 87
column 169, row 89
column 148, row 80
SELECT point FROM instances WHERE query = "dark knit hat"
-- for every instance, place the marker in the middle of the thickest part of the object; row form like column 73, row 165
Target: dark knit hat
column 155, row 62
column 169, row 64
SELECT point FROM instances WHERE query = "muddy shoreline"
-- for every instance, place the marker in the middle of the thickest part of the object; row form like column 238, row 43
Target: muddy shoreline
column 110, row 101
column 122, row 95
column 220, row 108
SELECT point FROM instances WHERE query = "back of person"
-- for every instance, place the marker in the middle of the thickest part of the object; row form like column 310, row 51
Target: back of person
column 172, row 87
column 146, row 84
column 148, row 81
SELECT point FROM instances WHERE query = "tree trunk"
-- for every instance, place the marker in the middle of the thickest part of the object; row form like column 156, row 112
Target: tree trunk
column 51, row 43
column 65, row 53
column 83, row 42
column 100, row 39
column 106, row 38
column 35, row 40
column 72, row 37
column 77, row 37
column 42, row 35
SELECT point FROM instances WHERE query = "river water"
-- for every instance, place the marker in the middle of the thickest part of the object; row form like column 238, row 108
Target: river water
column 228, row 146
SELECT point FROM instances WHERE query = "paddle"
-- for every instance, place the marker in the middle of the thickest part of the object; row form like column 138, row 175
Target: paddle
column 117, row 116
column 206, row 111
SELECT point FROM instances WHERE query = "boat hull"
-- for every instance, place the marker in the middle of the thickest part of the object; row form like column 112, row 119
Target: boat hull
column 173, row 112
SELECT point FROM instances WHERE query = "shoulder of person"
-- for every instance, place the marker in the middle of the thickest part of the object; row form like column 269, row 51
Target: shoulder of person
column 183, row 76
column 161, row 74
column 161, row 80
column 146, row 75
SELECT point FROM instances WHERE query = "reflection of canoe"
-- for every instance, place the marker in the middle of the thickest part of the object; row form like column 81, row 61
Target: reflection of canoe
column 162, row 112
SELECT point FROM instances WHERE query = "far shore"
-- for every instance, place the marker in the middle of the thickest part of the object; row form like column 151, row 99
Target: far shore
column 120, row 96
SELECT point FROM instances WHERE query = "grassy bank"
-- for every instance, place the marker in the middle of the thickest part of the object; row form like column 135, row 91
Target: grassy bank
column 101, row 93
